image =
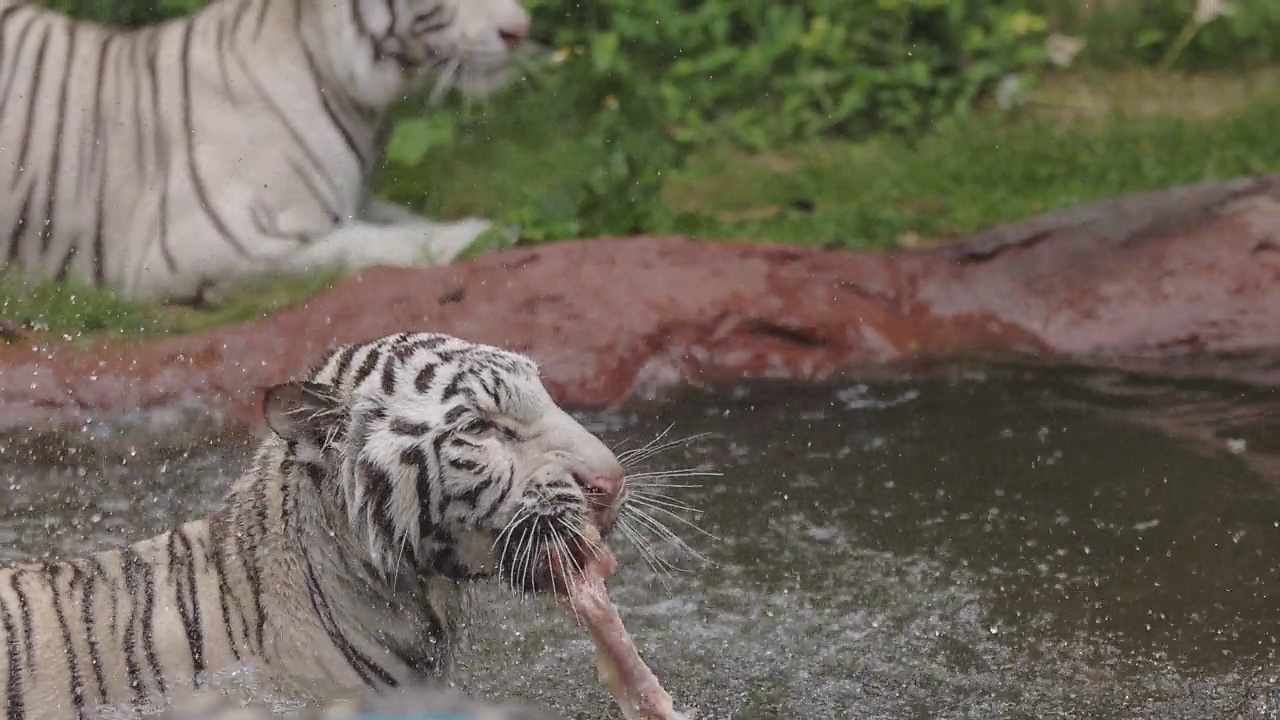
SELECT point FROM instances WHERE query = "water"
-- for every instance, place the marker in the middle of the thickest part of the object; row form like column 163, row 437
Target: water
column 994, row 544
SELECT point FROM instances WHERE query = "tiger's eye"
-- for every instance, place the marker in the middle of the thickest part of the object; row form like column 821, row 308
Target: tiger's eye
column 479, row 426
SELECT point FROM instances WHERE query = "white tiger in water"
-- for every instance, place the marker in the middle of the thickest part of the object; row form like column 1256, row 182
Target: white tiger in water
column 168, row 160
column 399, row 472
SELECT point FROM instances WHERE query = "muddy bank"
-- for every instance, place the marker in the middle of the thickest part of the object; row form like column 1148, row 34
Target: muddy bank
column 1152, row 278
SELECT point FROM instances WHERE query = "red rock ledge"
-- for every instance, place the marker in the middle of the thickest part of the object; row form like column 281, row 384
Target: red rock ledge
column 1194, row 269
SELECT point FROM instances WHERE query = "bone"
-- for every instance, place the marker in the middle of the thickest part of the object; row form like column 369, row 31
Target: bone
column 634, row 686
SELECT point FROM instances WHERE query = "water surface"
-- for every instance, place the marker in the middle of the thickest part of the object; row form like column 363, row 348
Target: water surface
column 996, row 544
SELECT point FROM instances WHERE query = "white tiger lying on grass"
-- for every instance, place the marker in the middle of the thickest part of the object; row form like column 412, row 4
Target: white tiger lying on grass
column 167, row 161
column 399, row 471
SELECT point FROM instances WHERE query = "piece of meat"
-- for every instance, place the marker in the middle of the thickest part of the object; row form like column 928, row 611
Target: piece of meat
column 634, row 686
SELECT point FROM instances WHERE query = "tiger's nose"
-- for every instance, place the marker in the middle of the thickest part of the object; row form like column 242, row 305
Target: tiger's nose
column 514, row 35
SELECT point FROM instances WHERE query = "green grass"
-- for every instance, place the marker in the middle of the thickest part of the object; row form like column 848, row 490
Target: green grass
column 523, row 158
column 79, row 313
column 968, row 175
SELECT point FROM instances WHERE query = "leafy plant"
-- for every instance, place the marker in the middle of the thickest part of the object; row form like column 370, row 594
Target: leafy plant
column 413, row 137
column 645, row 84
column 658, row 79
column 125, row 12
column 757, row 73
column 1205, row 35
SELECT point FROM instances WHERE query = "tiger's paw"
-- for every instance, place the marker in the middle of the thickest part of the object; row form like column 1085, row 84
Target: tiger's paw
column 447, row 242
column 495, row 238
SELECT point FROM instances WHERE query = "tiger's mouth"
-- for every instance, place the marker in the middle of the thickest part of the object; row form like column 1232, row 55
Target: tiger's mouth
column 559, row 570
column 548, row 555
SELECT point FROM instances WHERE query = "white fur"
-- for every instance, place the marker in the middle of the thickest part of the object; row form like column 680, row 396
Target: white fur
column 307, row 542
column 253, row 158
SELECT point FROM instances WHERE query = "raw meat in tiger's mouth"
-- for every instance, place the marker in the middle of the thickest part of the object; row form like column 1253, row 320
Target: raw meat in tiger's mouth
column 635, row 688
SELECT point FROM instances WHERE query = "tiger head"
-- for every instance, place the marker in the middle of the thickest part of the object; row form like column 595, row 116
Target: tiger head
column 445, row 457
column 468, row 43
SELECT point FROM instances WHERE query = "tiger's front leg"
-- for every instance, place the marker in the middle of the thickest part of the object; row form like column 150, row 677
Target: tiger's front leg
column 358, row 244
column 386, row 213
column 353, row 246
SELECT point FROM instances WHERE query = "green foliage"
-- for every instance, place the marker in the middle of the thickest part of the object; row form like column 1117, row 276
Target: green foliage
column 646, row 83
column 757, row 73
column 125, row 12
column 1143, row 32
column 962, row 175
column 665, row 76
column 412, row 137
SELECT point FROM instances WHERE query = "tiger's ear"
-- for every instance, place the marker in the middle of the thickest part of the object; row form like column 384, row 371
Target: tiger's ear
column 299, row 408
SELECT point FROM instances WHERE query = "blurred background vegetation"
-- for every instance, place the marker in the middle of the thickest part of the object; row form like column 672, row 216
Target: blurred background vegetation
column 869, row 124
column 627, row 101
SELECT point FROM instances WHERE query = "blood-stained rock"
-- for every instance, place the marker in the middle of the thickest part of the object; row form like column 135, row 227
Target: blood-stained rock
column 1191, row 270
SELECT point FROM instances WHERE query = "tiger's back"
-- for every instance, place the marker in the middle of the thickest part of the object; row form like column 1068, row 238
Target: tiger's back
column 99, row 630
column 233, row 594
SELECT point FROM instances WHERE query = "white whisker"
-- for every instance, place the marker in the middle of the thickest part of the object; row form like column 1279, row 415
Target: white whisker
column 659, row 508
column 661, row 567
column 577, row 570
column 657, row 475
column 520, row 564
column 533, row 552
column 404, row 542
column 573, row 559
column 653, row 447
column 645, row 498
column 666, row 568
column 507, row 529
column 666, row 533
column 580, row 534
column 617, row 447
column 509, row 561
column 665, row 486
column 679, row 472
column 632, row 458
column 553, row 549
column 647, row 445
